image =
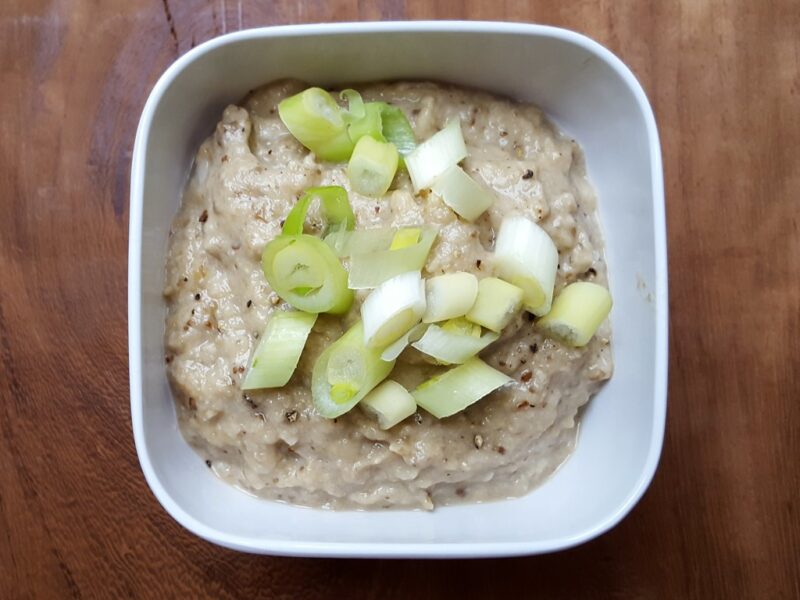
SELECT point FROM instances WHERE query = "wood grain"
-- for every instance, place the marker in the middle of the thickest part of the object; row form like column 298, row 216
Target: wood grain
column 721, row 519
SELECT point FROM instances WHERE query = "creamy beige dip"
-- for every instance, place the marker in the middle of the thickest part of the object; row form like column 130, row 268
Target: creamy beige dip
column 272, row 443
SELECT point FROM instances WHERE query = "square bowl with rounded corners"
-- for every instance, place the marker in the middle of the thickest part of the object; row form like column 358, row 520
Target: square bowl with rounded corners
column 592, row 96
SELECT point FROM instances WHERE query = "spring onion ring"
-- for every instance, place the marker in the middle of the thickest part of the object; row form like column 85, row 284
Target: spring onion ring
column 315, row 119
column 279, row 350
column 462, row 193
column 450, row 348
column 450, row 295
column 372, row 167
column 435, row 155
column 305, row 273
column 458, row 388
column 390, row 402
column 370, row 269
column 577, row 312
column 345, row 372
column 395, row 349
column 497, row 303
column 335, row 205
column 525, row 256
column 392, row 309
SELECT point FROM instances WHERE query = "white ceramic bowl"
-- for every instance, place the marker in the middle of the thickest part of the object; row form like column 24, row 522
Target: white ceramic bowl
column 592, row 95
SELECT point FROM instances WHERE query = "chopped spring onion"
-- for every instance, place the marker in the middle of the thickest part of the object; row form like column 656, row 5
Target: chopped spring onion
column 345, row 372
column 456, row 389
column 408, row 236
column 355, row 105
column 397, row 130
column 370, row 269
column 335, row 205
column 497, row 303
column 392, row 309
column 449, row 348
column 450, row 295
column 526, row 257
column 462, row 193
column 372, row 167
column 390, row 402
column 316, row 120
column 577, row 313
column 395, row 349
column 361, row 241
column 370, row 124
column 435, row 155
column 276, row 356
column 304, row 271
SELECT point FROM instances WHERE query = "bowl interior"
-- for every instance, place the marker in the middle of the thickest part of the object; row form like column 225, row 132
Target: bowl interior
column 591, row 97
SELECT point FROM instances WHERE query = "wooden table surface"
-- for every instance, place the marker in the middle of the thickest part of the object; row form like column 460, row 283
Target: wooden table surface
column 722, row 517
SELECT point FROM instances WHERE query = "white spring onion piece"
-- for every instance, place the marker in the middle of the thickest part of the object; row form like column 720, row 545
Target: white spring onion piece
column 525, row 256
column 390, row 402
column 451, row 347
column 361, row 241
column 345, row 372
column 396, row 348
column 497, row 303
column 456, row 389
column 577, row 312
column 435, row 155
column 462, row 193
column 278, row 352
column 449, row 295
column 372, row 167
column 392, row 309
column 370, row 269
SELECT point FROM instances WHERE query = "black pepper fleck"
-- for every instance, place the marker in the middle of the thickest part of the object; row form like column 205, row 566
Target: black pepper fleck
column 501, row 449
column 591, row 272
column 197, row 296
column 208, row 464
column 291, row 416
column 534, row 348
column 478, row 263
column 528, row 174
column 282, row 222
column 526, row 375
column 249, row 303
column 204, row 216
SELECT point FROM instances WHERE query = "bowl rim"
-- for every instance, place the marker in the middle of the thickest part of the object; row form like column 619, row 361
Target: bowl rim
column 396, row 549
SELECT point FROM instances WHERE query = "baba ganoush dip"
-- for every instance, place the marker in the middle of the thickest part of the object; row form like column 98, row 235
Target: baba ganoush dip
column 272, row 442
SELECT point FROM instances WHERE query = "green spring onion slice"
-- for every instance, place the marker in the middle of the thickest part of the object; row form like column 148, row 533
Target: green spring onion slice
column 392, row 309
column 450, row 295
column 370, row 124
column 462, row 193
column 577, row 312
column 397, row 130
column 317, row 121
column 497, row 304
column 458, row 388
column 450, row 348
column 436, row 155
column 304, row 271
column 390, row 402
column 369, row 269
column 525, row 256
column 345, row 372
column 372, row 167
column 335, row 205
column 355, row 106
column 279, row 350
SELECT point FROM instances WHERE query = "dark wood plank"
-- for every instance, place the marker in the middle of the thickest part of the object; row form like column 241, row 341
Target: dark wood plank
column 721, row 518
